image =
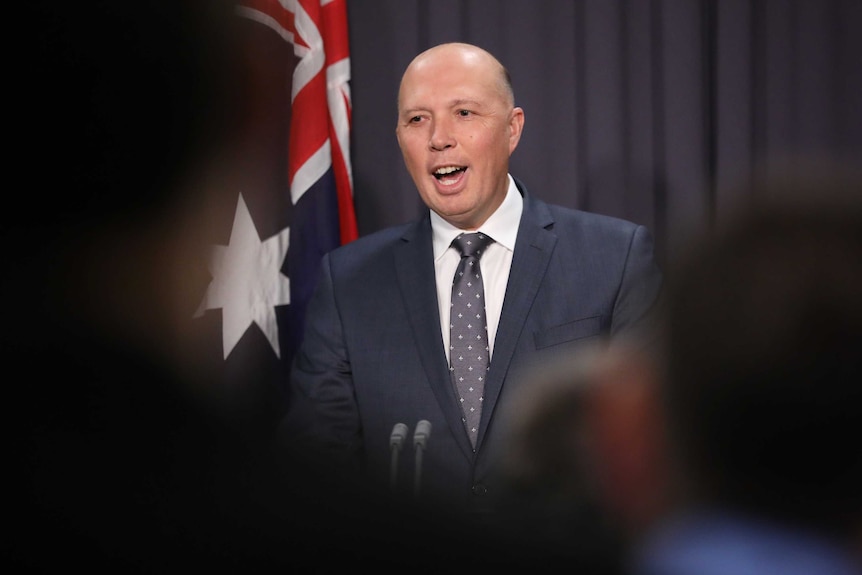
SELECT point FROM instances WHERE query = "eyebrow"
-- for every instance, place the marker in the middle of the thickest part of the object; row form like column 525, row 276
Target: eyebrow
column 463, row 101
column 453, row 104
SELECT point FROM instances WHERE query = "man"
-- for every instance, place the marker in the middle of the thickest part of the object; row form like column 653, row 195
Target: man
column 376, row 351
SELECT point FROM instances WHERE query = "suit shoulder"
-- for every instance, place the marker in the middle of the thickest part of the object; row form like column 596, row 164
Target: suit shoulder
column 558, row 217
column 566, row 218
column 372, row 243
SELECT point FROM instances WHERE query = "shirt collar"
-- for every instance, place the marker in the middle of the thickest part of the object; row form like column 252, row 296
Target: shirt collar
column 502, row 225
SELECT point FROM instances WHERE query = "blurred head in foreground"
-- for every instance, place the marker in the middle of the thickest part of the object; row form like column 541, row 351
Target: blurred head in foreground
column 751, row 409
column 124, row 117
column 764, row 333
column 583, row 468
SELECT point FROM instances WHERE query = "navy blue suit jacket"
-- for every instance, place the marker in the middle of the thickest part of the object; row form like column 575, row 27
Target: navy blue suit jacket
column 372, row 354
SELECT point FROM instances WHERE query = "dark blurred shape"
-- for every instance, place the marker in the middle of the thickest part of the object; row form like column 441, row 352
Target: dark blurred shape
column 762, row 391
column 732, row 448
column 582, row 473
column 120, row 104
column 122, row 460
column 765, row 335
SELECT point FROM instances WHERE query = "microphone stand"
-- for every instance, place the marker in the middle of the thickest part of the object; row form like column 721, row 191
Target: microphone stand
column 420, row 440
column 396, row 442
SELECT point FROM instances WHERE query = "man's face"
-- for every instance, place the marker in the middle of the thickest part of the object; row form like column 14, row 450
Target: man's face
column 457, row 129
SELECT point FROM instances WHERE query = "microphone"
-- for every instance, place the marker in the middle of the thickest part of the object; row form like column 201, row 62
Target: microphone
column 396, row 442
column 420, row 442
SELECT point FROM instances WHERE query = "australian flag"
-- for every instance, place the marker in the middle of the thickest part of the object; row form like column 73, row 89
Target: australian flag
column 294, row 196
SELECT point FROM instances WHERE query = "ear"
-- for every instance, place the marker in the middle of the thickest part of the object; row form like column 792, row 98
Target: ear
column 516, row 126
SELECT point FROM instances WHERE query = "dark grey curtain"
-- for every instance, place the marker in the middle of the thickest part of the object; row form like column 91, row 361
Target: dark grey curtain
column 653, row 110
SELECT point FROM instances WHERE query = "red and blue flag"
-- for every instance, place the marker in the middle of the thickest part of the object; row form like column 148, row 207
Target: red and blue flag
column 295, row 196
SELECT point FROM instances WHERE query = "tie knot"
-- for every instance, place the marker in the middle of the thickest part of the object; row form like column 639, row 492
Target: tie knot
column 471, row 244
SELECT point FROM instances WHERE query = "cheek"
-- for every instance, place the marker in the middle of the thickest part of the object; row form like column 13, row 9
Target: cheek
column 489, row 145
column 412, row 149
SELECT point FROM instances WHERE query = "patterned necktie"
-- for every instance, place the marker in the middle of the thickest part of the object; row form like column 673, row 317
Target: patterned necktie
column 468, row 332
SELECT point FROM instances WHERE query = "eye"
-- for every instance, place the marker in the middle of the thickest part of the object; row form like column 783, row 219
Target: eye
column 464, row 113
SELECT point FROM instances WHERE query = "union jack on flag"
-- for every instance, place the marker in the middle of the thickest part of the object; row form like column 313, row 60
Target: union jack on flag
column 296, row 198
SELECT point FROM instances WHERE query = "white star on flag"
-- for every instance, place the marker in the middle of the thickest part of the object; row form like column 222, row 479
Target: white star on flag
column 247, row 281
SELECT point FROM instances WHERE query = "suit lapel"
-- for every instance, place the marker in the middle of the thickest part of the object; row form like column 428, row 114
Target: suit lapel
column 533, row 250
column 414, row 267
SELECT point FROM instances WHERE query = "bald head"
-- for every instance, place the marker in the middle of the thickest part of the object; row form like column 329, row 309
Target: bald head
column 465, row 55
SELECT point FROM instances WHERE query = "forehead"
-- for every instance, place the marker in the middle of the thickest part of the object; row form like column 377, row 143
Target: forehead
column 449, row 79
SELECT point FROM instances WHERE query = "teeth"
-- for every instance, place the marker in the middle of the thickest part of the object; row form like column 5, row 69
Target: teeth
column 446, row 170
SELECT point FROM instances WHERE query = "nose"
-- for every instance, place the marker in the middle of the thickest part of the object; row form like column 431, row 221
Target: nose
column 441, row 137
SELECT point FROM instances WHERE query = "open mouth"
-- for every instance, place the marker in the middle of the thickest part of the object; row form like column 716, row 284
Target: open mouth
column 448, row 173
